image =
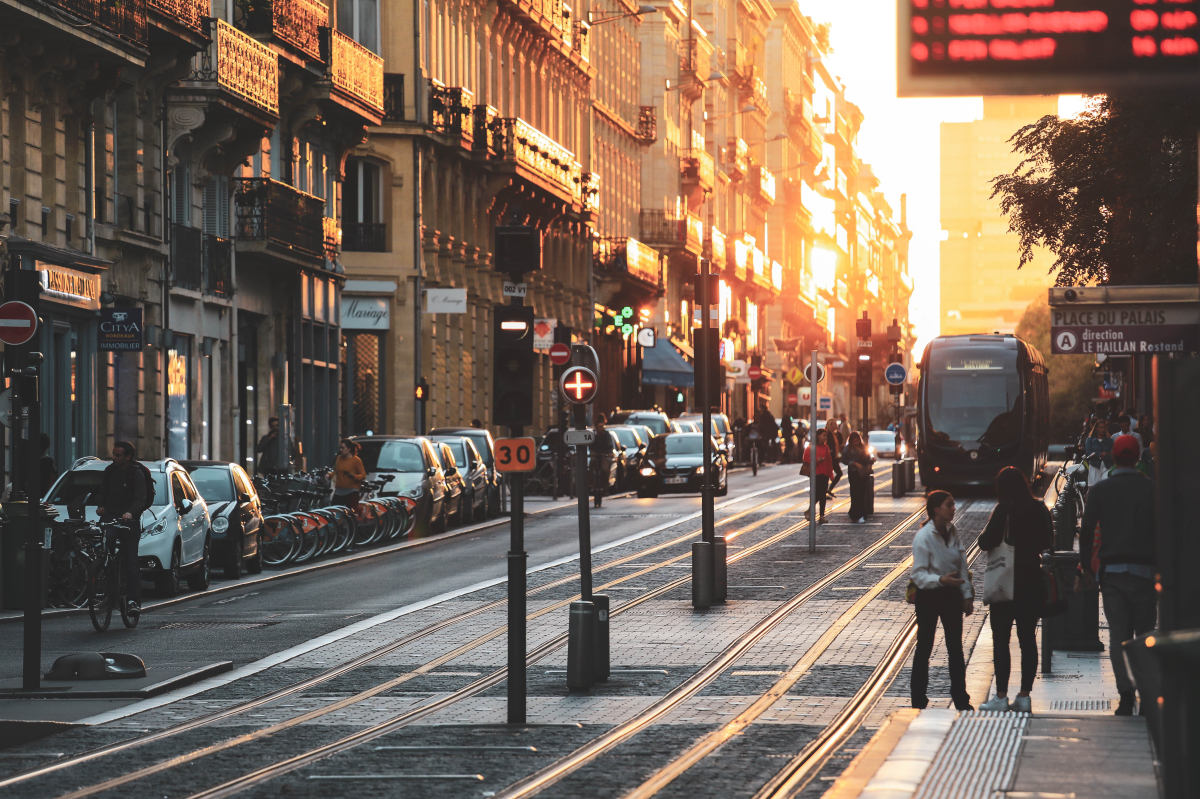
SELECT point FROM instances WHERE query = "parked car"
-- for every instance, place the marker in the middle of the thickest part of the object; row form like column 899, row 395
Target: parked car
column 675, row 463
column 684, row 426
column 473, row 471
column 610, row 479
column 723, row 431
column 417, row 475
column 175, row 529
column 657, row 421
column 886, row 444
column 456, row 487
column 634, row 447
column 487, row 450
column 235, row 513
column 645, row 432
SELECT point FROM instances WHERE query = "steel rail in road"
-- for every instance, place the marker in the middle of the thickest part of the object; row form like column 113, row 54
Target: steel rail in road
column 280, row 768
column 363, row 660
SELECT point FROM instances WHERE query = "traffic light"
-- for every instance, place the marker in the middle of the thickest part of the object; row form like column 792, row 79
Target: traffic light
column 862, row 328
column 421, row 392
column 862, row 380
column 512, row 366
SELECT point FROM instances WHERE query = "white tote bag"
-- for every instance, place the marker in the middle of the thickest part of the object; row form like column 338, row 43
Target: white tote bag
column 998, row 579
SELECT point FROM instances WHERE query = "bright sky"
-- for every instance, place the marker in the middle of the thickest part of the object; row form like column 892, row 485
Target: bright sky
column 900, row 138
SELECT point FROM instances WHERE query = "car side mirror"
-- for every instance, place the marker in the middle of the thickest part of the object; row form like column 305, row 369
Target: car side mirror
column 244, row 498
column 432, row 471
column 186, row 505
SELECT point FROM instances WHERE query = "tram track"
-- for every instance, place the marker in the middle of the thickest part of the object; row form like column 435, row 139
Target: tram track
column 382, row 651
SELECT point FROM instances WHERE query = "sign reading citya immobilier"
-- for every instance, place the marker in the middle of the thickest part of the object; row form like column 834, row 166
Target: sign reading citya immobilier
column 1124, row 320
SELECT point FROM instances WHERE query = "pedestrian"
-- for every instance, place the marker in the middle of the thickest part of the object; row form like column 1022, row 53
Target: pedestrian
column 821, row 474
column 834, row 442
column 348, row 475
column 478, row 425
column 1020, row 520
column 268, row 448
column 48, row 471
column 1125, row 425
column 1123, row 508
column 1098, row 448
column 858, row 467
column 788, row 431
column 1145, row 428
column 943, row 593
column 123, row 498
column 602, row 456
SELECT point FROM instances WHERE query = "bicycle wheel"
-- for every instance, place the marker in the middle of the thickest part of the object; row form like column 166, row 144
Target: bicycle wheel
column 101, row 596
column 328, row 529
column 310, row 540
column 278, row 541
column 69, row 580
column 382, row 524
column 342, row 532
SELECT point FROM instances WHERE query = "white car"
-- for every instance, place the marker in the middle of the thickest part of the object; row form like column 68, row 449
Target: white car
column 175, row 529
column 886, row 444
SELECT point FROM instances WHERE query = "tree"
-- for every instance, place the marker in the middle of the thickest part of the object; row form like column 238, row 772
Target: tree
column 1072, row 386
column 1112, row 193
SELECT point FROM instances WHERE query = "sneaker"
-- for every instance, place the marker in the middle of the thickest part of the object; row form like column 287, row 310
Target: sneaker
column 133, row 607
column 1125, row 706
column 1022, row 704
column 996, row 703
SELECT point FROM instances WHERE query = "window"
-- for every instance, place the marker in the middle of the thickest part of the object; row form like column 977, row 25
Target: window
column 359, row 19
column 362, row 208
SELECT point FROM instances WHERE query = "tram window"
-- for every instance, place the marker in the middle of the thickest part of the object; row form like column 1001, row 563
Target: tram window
column 974, row 396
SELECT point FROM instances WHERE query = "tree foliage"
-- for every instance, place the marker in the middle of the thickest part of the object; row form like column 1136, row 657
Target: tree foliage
column 1072, row 386
column 1111, row 193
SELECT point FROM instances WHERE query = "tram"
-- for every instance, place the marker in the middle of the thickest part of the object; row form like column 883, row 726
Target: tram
column 984, row 404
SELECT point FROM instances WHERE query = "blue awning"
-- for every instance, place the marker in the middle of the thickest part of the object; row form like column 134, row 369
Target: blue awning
column 664, row 366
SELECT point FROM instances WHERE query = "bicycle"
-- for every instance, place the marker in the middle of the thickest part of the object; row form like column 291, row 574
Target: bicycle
column 1069, row 504
column 109, row 582
column 754, row 441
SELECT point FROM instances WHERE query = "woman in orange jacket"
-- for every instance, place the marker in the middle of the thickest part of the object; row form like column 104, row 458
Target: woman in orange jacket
column 348, row 475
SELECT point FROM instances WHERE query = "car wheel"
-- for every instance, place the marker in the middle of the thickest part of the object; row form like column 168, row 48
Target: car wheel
column 233, row 569
column 201, row 579
column 167, row 582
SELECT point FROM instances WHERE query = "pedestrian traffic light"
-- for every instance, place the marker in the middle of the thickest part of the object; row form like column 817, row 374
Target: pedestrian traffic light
column 512, row 366
column 862, row 327
column 862, row 387
column 421, row 392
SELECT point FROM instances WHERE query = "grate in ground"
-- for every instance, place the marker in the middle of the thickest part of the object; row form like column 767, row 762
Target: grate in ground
column 1081, row 704
column 216, row 625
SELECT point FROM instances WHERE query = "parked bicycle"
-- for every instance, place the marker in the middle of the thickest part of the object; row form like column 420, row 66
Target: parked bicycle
column 1070, row 484
column 109, row 583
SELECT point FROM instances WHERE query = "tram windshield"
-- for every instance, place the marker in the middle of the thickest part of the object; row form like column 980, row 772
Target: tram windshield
column 973, row 394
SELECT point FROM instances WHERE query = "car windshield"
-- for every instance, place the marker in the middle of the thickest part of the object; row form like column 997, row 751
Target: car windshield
column 627, row 437
column 84, row 484
column 973, row 394
column 391, row 456
column 678, row 444
column 881, row 438
column 213, row 483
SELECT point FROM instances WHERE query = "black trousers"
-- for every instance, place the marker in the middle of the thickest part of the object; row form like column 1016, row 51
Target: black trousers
column 1001, row 616
column 128, row 535
column 858, row 496
column 945, row 604
column 837, row 473
column 822, row 489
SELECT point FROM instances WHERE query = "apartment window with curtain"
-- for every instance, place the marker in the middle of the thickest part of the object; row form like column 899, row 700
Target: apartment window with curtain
column 363, row 229
column 359, row 19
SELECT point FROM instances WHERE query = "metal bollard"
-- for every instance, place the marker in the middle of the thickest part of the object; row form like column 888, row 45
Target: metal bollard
column 899, row 480
column 581, row 645
column 600, row 665
column 910, row 468
column 720, row 570
column 702, row 574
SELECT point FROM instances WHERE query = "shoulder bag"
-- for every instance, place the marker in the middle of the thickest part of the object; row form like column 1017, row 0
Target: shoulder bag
column 1001, row 570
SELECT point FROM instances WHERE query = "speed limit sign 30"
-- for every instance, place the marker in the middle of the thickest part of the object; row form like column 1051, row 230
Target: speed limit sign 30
column 515, row 455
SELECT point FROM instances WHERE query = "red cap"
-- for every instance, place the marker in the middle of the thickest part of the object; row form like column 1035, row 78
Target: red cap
column 1126, row 448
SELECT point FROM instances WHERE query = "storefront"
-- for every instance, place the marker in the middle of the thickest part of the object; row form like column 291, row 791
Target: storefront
column 366, row 322
column 315, row 356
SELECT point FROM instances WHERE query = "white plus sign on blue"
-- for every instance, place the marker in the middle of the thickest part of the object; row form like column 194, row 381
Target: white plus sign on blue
column 895, row 374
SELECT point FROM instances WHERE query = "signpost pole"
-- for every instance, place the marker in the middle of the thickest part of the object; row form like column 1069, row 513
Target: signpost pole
column 518, row 560
column 581, row 632
column 812, row 458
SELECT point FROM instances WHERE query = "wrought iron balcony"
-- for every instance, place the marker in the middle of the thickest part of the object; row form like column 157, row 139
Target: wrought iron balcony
column 589, row 183
column 189, row 14
column 296, row 23
column 274, row 212
column 714, row 249
column 518, row 142
column 758, row 96
column 698, row 167
column 355, row 70
column 665, row 230
column 581, row 40
column 741, row 68
column 630, row 256
column 331, row 236
column 218, row 266
column 125, row 20
column 393, row 97
column 647, row 127
column 364, row 237
column 738, row 163
column 764, row 185
column 241, row 66
column 450, row 110
column 187, row 257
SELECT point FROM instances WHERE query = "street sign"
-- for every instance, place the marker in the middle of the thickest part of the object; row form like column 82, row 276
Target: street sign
column 18, row 323
column 646, row 337
column 754, row 372
column 803, row 395
column 515, row 289
column 578, row 385
column 793, row 398
column 736, row 371
column 576, row 438
column 560, row 354
column 825, row 403
column 820, row 373
column 794, row 375
column 515, row 455
column 895, row 373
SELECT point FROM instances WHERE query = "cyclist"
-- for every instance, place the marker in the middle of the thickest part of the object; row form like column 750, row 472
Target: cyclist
column 122, row 499
column 602, row 455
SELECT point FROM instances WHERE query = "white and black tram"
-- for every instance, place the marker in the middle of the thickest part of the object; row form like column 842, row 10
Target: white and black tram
column 983, row 405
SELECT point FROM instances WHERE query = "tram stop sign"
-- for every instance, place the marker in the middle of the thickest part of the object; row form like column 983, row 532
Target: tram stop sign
column 560, row 354
column 895, row 374
column 820, row 373
column 18, row 323
column 579, row 385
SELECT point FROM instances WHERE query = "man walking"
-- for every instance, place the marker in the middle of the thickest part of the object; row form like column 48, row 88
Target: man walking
column 602, row 455
column 268, row 448
column 1123, row 507
column 123, row 498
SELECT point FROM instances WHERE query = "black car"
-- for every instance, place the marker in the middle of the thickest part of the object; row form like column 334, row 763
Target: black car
column 235, row 513
column 634, row 447
column 674, row 463
column 483, row 441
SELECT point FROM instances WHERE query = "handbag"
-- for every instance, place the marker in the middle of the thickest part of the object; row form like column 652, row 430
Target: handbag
column 806, row 469
column 1001, row 570
column 910, row 592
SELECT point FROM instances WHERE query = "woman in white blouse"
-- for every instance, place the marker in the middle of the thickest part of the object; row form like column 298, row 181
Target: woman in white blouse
column 943, row 592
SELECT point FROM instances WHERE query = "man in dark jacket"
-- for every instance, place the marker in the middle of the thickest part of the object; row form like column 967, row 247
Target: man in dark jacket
column 123, row 497
column 1123, row 506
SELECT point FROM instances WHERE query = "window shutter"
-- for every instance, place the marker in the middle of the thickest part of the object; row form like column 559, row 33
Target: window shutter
column 181, row 194
column 216, row 206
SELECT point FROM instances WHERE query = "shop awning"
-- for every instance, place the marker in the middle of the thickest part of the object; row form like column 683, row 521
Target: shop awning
column 664, row 366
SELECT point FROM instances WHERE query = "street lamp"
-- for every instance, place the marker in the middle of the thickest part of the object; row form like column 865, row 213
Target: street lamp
column 781, row 136
column 644, row 8
column 746, row 109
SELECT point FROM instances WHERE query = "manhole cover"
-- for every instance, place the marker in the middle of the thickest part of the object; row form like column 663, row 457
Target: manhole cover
column 216, row 625
column 1081, row 704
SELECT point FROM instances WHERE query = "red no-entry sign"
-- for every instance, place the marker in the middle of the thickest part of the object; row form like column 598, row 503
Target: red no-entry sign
column 754, row 372
column 18, row 323
column 560, row 354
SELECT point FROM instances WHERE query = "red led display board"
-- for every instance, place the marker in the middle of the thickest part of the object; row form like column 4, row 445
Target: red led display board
column 996, row 47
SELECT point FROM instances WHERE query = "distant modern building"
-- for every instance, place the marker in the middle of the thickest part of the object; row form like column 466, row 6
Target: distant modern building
column 982, row 289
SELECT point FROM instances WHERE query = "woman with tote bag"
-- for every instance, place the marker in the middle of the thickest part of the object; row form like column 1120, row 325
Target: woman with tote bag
column 1017, row 533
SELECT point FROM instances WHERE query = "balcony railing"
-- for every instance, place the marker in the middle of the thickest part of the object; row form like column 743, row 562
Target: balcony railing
column 631, row 256
column 450, row 110
column 274, row 212
column 294, row 22
column 741, row 258
column 126, row 20
column 188, row 13
column 758, row 96
column 187, row 257
column 518, row 141
column 714, row 249
column 777, row 275
column 364, row 237
column 581, row 40
column 331, row 236
column 589, row 183
column 698, row 167
column 662, row 229
column 740, row 66
column 647, row 128
column 355, row 70
column 218, row 266
column 242, row 66
column 393, row 97
column 739, row 158
column 765, row 185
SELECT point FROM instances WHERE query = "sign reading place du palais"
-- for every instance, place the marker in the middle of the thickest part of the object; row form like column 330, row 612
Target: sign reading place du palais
column 1124, row 320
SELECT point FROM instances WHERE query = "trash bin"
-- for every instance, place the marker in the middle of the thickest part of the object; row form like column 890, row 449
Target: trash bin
column 870, row 503
column 899, row 480
column 1077, row 630
column 13, row 535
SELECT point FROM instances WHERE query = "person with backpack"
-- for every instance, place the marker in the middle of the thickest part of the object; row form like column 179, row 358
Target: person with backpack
column 125, row 493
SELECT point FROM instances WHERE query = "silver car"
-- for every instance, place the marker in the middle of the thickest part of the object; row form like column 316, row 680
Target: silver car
column 474, row 473
column 416, row 473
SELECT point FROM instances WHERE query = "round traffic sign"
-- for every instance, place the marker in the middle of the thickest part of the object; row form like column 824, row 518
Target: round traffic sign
column 578, row 385
column 793, row 399
column 754, row 372
column 895, row 374
column 18, row 323
column 560, row 354
column 820, row 373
